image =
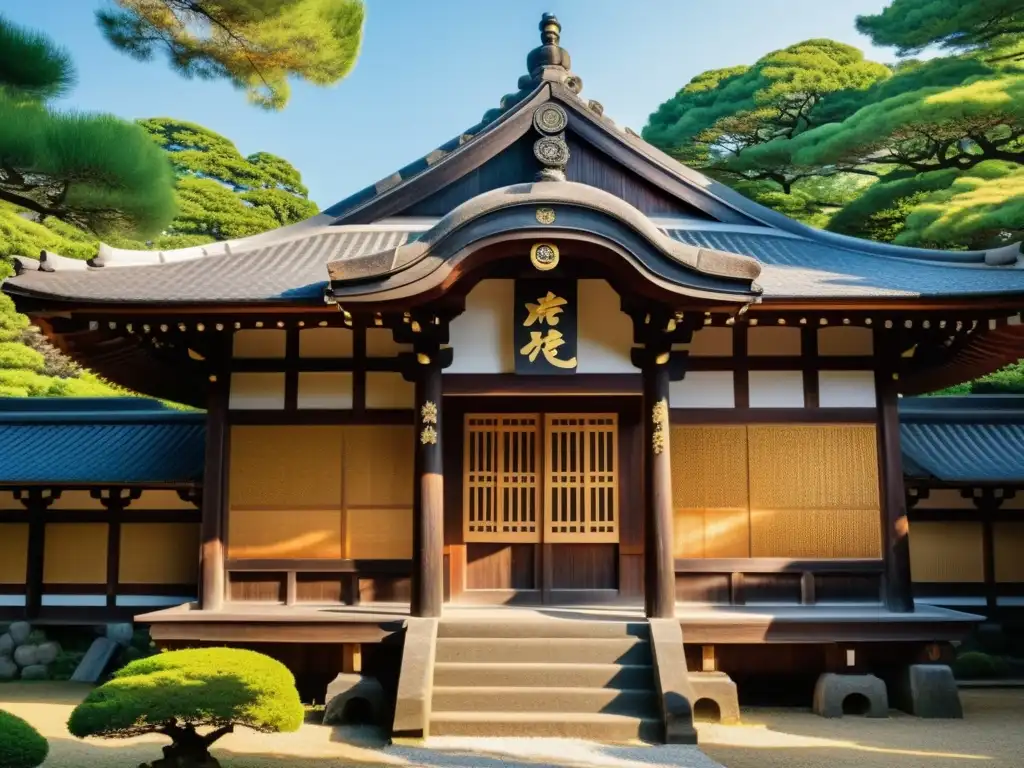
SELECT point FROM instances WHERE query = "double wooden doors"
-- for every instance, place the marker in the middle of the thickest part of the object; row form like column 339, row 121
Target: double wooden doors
column 543, row 479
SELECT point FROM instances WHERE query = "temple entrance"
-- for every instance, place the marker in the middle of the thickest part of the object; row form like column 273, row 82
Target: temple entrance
column 541, row 506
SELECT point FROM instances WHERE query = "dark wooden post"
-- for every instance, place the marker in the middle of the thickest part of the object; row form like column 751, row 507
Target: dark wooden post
column 897, row 588
column 428, row 492
column 659, row 565
column 428, row 333
column 215, row 494
column 657, row 331
column 36, row 503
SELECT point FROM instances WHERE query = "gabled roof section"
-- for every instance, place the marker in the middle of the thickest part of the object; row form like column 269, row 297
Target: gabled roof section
column 976, row 438
column 287, row 264
column 68, row 441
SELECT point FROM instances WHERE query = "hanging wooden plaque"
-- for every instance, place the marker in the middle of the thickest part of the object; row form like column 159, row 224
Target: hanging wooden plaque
column 545, row 326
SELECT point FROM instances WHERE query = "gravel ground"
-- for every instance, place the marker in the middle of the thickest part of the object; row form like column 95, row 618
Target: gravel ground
column 991, row 736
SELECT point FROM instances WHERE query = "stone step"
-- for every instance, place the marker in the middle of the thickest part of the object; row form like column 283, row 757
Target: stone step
column 572, row 725
column 563, row 628
column 528, row 650
column 614, row 676
column 636, row 702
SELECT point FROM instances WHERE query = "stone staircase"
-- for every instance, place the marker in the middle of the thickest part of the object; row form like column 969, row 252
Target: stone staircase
column 553, row 678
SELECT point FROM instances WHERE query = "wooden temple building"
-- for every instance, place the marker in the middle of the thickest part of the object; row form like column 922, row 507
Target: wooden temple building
column 540, row 388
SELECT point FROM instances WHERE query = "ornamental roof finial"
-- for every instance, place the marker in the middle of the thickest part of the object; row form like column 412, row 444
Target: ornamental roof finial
column 550, row 53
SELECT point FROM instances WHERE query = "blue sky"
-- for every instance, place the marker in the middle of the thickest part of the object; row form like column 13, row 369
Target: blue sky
column 431, row 68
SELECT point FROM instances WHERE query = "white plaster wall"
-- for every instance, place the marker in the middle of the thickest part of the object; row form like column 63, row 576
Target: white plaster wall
column 773, row 340
column 260, row 391
column 839, row 340
column 776, row 389
column 325, row 342
column 712, row 341
column 259, row 342
column 482, row 335
column 324, row 389
column 604, row 331
column 386, row 389
column 846, row 389
column 703, row 389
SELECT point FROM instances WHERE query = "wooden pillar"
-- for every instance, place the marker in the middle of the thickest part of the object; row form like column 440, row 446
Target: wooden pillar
column 897, row 587
column 36, row 504
column 215, row 494
column 659, row 565
column 428, row 491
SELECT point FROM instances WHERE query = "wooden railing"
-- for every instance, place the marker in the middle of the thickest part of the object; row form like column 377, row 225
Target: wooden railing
column 292, row 581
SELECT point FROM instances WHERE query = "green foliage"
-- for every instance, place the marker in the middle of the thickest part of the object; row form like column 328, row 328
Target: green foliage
column 993, row 27
column 223, row 194
column 95, row 171
column 984, row 206
column 721, row 114
column 256, row 45
column 32, row 66
column 21, row 745
column 22, row 236
column 14, row 355
column 975, row 665
column 204, row 687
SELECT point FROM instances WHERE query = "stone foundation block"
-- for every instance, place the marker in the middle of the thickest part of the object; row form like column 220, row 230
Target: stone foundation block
column 120, row 633
column 47, row 653
column 929, row 690
column 8, row 669
column 347, row 692
column 35, row 672
column 719, row 688
column 19, row 632
column 6, row 644
column 832, row 691
column 26, row 655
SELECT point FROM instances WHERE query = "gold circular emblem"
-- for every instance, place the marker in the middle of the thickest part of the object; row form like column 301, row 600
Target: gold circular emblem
column 546, row 215
column 544, row 256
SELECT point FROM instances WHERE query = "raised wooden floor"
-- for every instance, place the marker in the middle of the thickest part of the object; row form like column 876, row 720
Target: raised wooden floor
column 701, row 624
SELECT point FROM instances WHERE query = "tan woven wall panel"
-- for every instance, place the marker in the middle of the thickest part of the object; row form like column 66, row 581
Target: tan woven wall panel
column 709, row 467
column 815, row 533
column 8, row 502
column 712, row 533
column 13, row 553
column 813, row 467
column 838, row 340
column 325, row 342
column 278, row 533
column 379, row 534
column 1008, row 551
column 946, row 552
column 763, row 340
column 378, row 466
column 75, row 553
column 286, row 468
column 712, row 341
column 159, row 553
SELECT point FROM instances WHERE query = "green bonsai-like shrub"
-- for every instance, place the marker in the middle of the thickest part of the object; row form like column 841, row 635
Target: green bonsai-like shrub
column 177, row 692
column 975, row 665
column 21, row 746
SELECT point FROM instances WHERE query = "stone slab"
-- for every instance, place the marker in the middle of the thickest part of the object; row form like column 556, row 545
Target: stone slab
column 346, row 688
column 415, row 679
column 719, row 688
column 97, row 659
column 672, row 681
column 36, row 672
column 929, row 691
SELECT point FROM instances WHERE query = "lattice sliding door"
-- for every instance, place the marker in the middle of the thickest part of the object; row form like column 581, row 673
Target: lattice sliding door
column 581, row 496
column 501, row 478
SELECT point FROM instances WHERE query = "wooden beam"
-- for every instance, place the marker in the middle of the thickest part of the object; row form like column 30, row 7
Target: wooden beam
column 892, row 495
column 36, row 506
column 777, row 565
column 215, row 493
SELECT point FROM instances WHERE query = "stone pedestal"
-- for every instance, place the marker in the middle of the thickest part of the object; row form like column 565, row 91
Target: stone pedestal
column 348, row 688
column 832, row 691
column 928, row 690
column 719, row 688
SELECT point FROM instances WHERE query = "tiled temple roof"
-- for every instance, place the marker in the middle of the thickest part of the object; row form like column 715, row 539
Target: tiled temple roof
column 98, row 440
column 977, row 438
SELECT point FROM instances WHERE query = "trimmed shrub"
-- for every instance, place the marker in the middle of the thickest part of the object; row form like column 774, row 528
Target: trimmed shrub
column 21, row 745
column 176, row 692
column 975, row 665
